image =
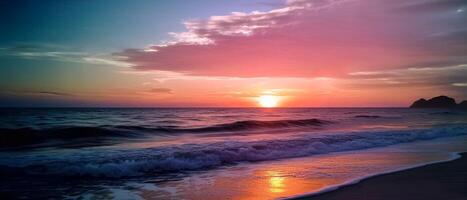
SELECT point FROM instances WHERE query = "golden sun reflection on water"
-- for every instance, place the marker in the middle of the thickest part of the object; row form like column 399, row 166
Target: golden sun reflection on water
column 276, row 182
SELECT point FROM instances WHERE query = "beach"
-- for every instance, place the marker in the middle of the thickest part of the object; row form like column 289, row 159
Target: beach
column 233, row 100
column 221, row 153
column 447, row 180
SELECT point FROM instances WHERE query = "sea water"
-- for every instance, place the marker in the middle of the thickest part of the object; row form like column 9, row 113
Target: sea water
column 215, row 153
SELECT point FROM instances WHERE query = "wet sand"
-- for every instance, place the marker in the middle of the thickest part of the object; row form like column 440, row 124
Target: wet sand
column 446, row 180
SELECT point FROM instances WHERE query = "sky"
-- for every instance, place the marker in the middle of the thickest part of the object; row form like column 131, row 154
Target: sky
column 220, row 53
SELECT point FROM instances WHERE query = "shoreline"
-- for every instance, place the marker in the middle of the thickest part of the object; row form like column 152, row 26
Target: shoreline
column 434, row 180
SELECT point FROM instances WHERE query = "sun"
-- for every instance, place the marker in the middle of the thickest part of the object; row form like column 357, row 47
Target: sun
column 268, row 101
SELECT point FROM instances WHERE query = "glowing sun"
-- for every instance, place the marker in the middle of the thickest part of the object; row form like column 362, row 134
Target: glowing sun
column 268, row 101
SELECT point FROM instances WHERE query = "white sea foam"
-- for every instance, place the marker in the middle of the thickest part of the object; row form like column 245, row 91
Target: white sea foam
column 137, row 162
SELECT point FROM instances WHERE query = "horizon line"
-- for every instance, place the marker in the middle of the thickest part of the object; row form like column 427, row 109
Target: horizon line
column 196, row 107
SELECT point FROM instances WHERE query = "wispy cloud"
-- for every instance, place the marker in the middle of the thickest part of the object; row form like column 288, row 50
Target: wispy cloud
column 308, row 38
column 41, row 93
column 281, row 92
column 61, row 53
column 54, row 93
column 446, row 78
column 161, row 90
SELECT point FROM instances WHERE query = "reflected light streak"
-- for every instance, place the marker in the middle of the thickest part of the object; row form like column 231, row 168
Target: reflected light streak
column 276, row 182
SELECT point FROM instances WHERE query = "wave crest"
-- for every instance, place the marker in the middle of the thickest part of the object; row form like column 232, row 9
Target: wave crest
column 64, row 136
column 154, row 161
column 254, row 124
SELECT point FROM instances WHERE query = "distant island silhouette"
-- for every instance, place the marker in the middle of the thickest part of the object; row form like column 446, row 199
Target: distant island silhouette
column 439, row 102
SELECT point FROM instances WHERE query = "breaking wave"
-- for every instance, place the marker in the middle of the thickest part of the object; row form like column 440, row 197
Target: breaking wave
column 97, row 135
column 163, row 160
column 253, row 124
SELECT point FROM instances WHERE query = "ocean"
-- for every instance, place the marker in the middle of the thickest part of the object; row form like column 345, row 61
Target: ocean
column 214, row 153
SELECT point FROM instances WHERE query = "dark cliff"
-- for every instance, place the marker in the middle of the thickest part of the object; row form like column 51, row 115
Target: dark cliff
column 438, row 102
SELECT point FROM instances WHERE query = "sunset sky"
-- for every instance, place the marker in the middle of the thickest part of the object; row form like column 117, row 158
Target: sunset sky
column 317, row 53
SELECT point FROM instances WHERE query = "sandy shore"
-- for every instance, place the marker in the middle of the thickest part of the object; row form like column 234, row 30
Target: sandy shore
column 446, row 180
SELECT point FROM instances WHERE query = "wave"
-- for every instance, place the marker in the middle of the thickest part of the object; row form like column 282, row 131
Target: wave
column 236, row 126
column 367, row 116
column 187, row 157
column 254, row 124
column 376, row 117
column 447, row 113
column 10, row 138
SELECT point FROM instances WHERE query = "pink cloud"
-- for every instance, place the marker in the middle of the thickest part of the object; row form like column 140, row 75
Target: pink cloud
column 309, row 38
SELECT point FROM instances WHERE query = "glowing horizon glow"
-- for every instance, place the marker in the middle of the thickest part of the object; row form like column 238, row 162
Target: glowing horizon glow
column 308, row 53
column 268, row 101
